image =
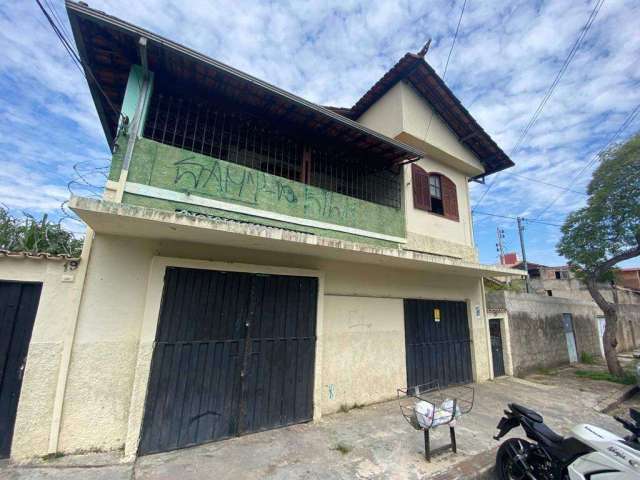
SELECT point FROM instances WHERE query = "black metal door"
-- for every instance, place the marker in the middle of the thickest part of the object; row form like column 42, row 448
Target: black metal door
column 18, row 307
column 234, row 354
column 437, row 342
column 495, row 334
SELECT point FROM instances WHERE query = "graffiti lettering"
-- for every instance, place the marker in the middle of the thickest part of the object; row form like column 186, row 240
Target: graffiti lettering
column 258, row 188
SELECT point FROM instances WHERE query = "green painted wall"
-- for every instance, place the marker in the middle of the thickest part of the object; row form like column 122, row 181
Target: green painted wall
column 172, row 168
column 118, row 157
column 195, row 210
column 129, row 104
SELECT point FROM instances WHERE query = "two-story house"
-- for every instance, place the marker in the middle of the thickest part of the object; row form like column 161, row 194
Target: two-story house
column 259, row 260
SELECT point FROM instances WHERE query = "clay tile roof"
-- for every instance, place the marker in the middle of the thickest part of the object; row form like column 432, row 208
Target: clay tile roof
column 413, row 69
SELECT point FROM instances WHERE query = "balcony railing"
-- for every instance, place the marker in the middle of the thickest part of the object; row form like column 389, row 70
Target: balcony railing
column 228, row 133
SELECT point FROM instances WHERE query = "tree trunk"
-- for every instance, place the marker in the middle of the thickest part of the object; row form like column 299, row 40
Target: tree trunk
column 609, row 341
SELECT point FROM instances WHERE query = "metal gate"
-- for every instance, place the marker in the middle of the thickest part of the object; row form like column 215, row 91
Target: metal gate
column 437, row 342
column 234, row 354
column 567, row 325
column 497, row 355
column 18, row 307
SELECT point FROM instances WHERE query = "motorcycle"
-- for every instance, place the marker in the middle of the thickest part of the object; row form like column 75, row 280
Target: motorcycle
column 589, row 453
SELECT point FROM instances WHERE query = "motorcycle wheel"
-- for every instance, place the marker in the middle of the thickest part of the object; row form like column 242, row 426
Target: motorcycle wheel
column 507, row 467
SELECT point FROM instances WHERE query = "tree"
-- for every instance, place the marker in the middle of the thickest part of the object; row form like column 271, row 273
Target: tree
column 32, row 235
column 606, row 232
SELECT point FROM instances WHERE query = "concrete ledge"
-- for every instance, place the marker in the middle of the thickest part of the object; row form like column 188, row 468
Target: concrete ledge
column 616, row 398
column 479, row 467
column 144, row 222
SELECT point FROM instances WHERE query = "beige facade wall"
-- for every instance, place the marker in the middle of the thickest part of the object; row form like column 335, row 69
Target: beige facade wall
column 360, row 355
column 364, row 350
column 402, row 113
column 427, row 224
column 423, row 124
column 106, row 346
column 386, row 115
column 61, row 288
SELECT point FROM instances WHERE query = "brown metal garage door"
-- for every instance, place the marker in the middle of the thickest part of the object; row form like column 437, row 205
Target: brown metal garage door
column 234, row 354
column 437, row 342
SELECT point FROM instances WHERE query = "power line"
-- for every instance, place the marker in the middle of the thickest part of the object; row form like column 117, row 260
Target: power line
column 453, row 44
column 55, row 15
column 535, row 180
column 446, row 66
column 82, row 66
column 550, row 90
column 559, row 75
column 628, row 121
column 515, row 218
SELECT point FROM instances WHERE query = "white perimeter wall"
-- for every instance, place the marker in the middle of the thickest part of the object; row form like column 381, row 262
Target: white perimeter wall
column 61, row 288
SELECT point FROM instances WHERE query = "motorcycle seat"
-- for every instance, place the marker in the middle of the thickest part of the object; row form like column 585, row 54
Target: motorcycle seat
column 537, row 423
column 544, row 431
column 527, row 412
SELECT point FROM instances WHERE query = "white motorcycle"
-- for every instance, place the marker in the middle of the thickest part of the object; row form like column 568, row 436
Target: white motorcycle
column 589, row 453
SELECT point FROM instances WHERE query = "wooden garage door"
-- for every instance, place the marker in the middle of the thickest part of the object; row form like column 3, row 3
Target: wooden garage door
column 437, row 342
column 234, row 354
column 18, row 307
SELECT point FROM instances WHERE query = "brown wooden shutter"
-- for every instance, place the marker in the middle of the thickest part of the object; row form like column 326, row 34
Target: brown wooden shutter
column 420, row 183
column 449, row 198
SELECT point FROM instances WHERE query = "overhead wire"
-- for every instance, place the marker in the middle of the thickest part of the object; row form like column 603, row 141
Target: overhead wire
column 82, row 66
column 510, row 217
column 453, row 43
column 628, row 121
column 536, row 115
column 625, row 124
column 542, row 182
column 446, row 66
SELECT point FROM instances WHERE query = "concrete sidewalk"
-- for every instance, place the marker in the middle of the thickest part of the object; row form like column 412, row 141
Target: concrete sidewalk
column 373, row 442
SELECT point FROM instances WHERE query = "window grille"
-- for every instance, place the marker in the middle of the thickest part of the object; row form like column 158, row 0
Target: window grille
column 227, row 133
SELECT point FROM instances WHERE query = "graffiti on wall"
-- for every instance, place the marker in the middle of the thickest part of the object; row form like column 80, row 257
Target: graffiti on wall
column 252, row 187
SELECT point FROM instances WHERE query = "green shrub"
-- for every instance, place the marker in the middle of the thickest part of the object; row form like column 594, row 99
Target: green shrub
column 343, row 448
column 546, row 371
column 628, row 378
column 587, row 358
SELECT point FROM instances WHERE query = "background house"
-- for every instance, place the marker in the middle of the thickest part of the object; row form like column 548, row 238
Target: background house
column 257, row 260
column 629, row 278
column 558, row 320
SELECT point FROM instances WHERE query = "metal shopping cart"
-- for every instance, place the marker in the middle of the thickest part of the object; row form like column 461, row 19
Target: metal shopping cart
column 428, row 406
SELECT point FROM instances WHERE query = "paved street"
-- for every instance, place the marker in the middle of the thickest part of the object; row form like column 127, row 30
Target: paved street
column 372, row 442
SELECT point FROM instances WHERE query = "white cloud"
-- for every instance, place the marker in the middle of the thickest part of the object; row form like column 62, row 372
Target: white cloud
column 506, row 56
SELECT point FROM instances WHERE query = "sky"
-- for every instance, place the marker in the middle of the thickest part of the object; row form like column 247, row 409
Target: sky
column 506, row 55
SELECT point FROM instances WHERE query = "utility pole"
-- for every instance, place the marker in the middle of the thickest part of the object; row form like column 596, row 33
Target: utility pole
column 524, row 255
column 500, row 244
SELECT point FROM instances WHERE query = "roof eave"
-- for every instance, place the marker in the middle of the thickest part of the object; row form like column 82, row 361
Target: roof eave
column 402, row 71
column 95, row 92
column 74, row 8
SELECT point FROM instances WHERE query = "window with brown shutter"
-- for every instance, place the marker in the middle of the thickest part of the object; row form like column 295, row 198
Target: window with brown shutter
column 420, row 183
column 449, row 198
column 434, row 193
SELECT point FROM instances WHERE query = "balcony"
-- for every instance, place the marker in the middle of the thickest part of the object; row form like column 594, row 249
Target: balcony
column 203, row 155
